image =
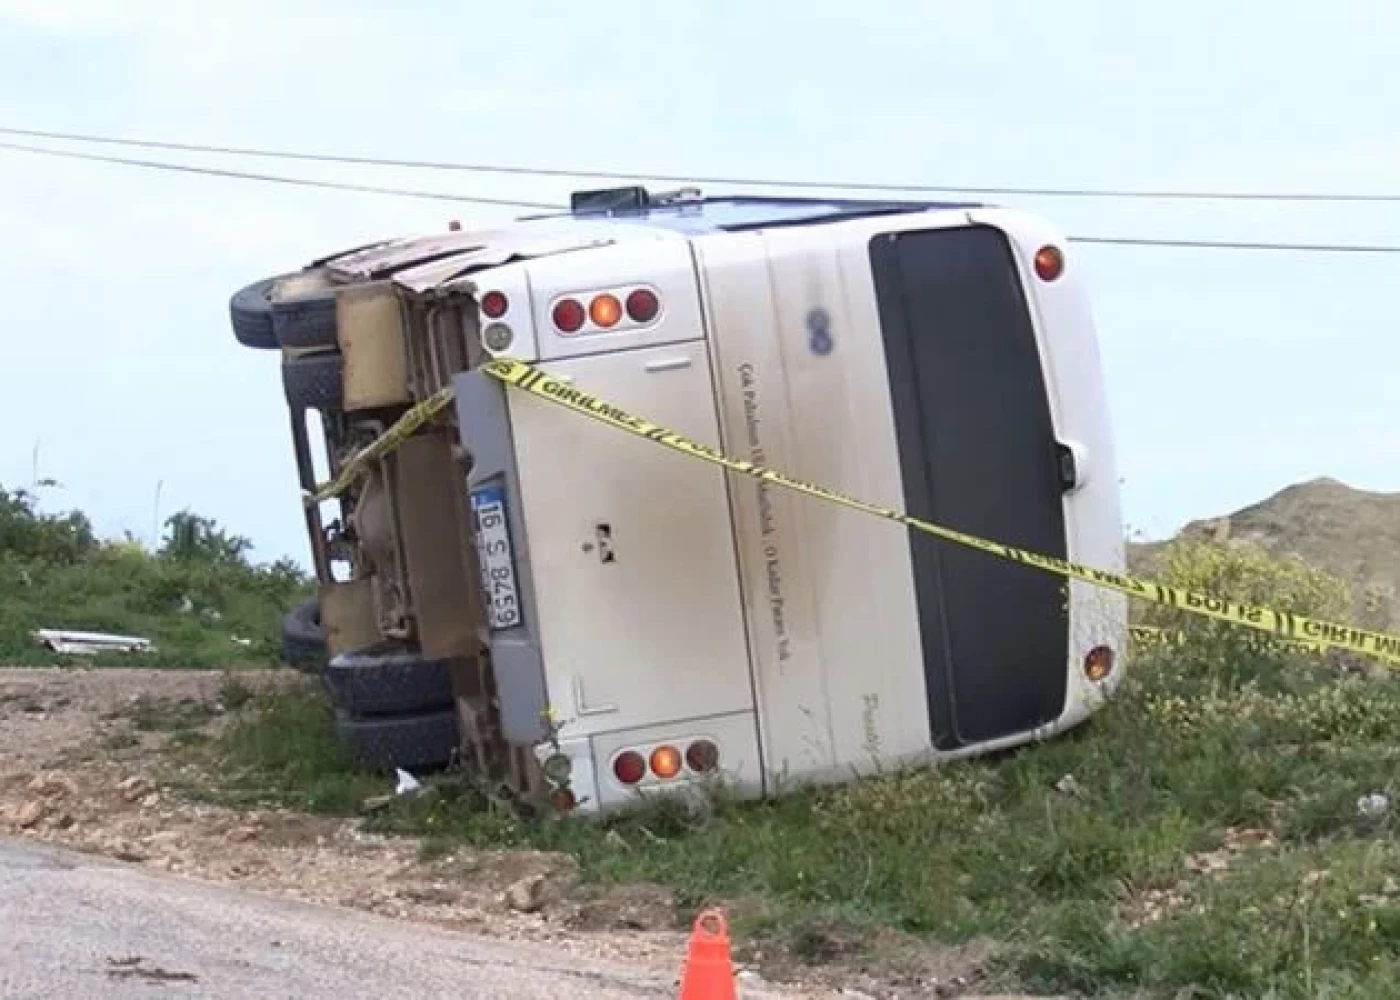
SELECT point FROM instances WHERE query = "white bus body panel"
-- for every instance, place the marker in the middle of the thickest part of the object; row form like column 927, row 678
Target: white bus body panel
column 632, row 553
column 830, row 599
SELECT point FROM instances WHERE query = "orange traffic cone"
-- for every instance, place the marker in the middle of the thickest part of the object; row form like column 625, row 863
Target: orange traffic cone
column 708, row 973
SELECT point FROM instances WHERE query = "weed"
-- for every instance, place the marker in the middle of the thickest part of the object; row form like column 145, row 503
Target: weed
column 435, row 849
column 234, row 692
column 150, row 714
column 283, row 750
column 120, row 739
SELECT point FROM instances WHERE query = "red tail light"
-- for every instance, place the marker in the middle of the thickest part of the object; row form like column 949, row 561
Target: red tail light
column 702, row 756
column 569, row 316
column 494, row 305
column 629, row 767
column 563, row 801
column 643, row 305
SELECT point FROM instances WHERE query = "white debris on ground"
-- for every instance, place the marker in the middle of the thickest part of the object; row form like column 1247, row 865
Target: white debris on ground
column 1373, row 806
column 90, row 643
column 407, row 783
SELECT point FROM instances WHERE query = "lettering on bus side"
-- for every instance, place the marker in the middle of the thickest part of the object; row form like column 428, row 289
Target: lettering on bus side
column 767, row 524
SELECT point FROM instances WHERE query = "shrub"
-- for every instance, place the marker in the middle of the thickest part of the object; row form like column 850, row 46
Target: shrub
column 201, row 599
column 1221, row 653
column 27, row 535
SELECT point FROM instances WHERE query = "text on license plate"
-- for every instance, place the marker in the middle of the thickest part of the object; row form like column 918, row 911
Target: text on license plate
column 497, row 559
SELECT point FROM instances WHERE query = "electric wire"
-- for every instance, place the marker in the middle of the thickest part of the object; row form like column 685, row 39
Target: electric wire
column 1193, row 244
column 1166, row 194
column 310, row 182
column 275, row 178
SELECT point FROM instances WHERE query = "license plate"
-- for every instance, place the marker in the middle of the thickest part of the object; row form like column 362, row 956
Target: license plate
column 497, row 559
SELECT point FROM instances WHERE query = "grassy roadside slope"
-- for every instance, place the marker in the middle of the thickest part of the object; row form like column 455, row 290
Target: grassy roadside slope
column 1210, row 832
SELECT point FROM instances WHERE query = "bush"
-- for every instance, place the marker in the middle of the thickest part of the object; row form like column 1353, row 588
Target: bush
column 1221, row 653
column 29, row 536
column 199, row 599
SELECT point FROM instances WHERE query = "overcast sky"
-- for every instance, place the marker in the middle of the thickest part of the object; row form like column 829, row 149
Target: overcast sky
column 1230, row 374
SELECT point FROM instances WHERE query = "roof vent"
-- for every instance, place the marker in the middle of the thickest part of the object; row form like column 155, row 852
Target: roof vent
column 609, row 200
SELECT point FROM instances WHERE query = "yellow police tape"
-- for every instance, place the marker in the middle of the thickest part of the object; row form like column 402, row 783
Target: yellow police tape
column 1152, row 635
column 530, row 379
column 358, row 465
column 1298, row 631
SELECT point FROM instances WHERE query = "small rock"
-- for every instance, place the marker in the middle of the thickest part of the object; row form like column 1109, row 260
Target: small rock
column 375, row 803
column 243, row 834
column 527, row 895
column 135, row 787
column 1209, row 862
column 164, row 838
column 51, row 786
column 1069, row 786
column 30, row 814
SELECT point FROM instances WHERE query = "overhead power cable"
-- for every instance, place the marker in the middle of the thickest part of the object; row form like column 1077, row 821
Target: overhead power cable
column 578, row 173
column 273, row 178
column 1130, row 241
column 1193, row 244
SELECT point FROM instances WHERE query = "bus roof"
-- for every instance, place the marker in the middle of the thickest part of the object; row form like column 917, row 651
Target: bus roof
column 736, row 213
column 595, row 219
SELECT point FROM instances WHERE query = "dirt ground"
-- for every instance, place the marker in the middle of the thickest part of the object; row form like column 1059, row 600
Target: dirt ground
column 75, row 771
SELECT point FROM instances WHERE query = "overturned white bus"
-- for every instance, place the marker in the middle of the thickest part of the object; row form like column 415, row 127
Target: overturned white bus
column 678, row 622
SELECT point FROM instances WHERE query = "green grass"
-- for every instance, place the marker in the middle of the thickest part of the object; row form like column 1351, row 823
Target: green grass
column 163, row 715
column 992, row 849
column 280, row 750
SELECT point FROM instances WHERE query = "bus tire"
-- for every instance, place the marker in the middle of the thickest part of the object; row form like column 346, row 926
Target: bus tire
column 250, row 313
column 408, row 741
column 303, row 314
column 303, row 642
column 391, row 682
column 314, row 382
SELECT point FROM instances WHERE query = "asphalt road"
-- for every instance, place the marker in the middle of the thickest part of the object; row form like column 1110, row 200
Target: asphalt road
column 73, row 926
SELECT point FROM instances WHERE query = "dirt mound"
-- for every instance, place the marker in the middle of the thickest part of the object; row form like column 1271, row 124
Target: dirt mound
column 1353, row 534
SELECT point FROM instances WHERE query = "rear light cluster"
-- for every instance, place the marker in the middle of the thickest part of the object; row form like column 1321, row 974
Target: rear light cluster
column 665, row 762
column 497, row 336
column 606, row 310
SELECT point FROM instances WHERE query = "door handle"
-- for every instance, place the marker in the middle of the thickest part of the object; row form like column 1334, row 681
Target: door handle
column 669, row 364
column 1069, row 465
